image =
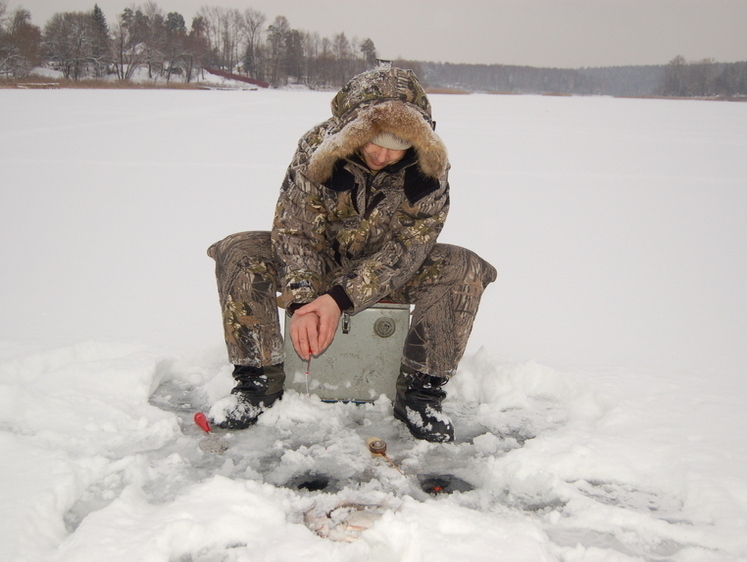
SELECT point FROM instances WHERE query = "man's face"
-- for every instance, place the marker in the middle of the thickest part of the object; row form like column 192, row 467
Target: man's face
column 377, row 157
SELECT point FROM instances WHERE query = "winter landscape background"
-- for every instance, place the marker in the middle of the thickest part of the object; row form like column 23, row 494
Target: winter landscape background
column 600, row 404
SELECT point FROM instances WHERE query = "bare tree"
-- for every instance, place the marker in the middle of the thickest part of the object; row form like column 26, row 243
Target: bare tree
column 223, row 29
column 326, row 64
column 343, row 56
column 311, row 48
column 69, row 41
column 209, row 17
column 155, row 38
column 20, row 43
column 277, row 47
column 231, row 38
column 130, row 36
column 254, row 21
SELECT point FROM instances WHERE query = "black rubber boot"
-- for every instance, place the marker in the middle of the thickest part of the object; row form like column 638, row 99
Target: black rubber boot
column 418, row 405
column 256, row 390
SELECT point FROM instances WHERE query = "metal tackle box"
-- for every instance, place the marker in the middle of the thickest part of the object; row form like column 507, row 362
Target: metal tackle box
column 363, row 361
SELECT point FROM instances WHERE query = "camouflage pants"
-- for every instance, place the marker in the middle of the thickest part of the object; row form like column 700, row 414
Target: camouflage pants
column 446, row 292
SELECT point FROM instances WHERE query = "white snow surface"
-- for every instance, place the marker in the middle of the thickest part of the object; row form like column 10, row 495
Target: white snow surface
column 599, row 409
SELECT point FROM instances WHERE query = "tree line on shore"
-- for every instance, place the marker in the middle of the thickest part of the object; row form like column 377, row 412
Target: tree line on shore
column 678, row 78
column 84, row 45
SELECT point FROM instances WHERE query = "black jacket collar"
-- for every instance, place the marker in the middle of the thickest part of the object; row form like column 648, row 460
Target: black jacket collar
column 416, row 184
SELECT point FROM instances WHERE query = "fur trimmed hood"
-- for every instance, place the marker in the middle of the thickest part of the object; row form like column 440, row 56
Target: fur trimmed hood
column 381, row 100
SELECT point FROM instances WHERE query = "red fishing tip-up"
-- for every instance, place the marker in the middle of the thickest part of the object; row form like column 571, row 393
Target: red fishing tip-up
column 201, row 420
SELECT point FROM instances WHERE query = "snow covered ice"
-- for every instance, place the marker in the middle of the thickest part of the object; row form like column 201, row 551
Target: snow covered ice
column 599, row 410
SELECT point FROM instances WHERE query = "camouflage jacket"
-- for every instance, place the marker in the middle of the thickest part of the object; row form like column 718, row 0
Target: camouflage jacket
column 337, row 222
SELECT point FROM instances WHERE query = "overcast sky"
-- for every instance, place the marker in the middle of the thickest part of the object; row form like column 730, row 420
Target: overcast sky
column 549, row 33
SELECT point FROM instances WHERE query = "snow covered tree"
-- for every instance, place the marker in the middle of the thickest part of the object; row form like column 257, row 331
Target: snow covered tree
column 70, row 43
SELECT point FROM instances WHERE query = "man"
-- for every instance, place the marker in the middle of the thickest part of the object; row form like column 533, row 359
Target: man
column 359, row 212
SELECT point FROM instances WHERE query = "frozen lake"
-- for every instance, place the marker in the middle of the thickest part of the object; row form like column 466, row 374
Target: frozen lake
column 613, row 340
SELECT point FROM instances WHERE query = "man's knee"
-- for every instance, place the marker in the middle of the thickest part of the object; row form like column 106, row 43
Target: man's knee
column 482, row 269
column 253, row 243
column 467, row 266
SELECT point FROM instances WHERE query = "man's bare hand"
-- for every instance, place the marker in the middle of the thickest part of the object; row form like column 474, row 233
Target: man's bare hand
column 313, row 326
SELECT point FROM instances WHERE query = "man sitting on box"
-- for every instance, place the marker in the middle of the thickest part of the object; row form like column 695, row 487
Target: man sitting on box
column 362, row 204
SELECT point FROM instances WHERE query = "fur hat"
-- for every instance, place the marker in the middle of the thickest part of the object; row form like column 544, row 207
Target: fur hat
column 383, row 100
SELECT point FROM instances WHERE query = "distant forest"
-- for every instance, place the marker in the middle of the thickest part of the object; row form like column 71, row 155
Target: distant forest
column 678, row 78
column 145, row 40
